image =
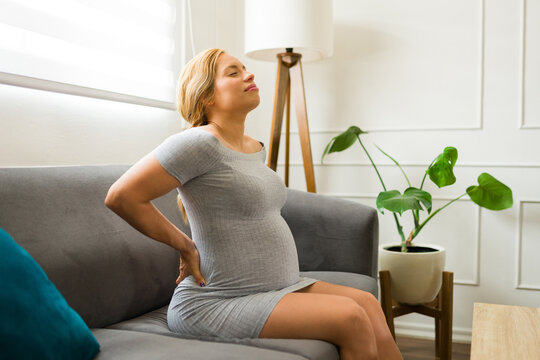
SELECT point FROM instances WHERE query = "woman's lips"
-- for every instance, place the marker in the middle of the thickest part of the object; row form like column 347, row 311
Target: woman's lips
column 252, row 88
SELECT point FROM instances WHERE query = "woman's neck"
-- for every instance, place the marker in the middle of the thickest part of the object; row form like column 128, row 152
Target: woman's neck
column 232, row 132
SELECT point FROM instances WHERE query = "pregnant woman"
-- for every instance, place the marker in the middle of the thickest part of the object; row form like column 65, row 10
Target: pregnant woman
column 239, row 275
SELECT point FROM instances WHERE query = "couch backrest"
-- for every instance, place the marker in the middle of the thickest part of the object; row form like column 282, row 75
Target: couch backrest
column 106, row 270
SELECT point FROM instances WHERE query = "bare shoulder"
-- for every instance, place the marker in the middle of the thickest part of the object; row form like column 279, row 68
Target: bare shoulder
column 253, row 144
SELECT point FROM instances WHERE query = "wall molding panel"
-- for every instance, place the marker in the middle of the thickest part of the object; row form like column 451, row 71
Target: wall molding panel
column 523, row 64
column 520, row 284
column 448, row 92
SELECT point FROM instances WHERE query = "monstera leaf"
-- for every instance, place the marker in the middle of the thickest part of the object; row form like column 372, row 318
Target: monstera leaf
column 411, row 199
column 343, row 141
column 490, row 193
column 441, row 172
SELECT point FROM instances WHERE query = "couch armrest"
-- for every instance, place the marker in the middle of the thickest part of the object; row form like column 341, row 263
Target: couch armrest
column 332, row 234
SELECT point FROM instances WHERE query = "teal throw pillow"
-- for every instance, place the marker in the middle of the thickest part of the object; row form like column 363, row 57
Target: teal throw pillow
column 35, row 320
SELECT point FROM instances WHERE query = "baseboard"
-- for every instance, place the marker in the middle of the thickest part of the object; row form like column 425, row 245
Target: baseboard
column 422, row 331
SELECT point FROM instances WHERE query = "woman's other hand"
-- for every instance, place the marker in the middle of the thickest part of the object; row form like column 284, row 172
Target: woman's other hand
column 190, row 265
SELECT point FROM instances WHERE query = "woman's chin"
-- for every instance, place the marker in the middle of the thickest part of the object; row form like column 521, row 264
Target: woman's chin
column 254, row 104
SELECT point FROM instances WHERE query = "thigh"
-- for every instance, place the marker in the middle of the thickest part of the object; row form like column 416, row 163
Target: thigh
column 313, row 316
column 361, row 297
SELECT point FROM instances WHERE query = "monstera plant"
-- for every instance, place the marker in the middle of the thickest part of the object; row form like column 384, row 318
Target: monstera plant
column 489, row 193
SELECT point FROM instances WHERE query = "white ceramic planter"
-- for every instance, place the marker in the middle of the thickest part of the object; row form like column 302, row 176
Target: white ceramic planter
column 416, row 278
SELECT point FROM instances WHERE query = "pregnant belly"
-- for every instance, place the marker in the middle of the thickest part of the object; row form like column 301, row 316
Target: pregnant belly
column 256, row 257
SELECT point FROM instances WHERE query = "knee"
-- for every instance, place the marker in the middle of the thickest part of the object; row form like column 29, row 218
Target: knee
column 360, row 327
column 367, row 300
column 369, row 297
column 354, row 315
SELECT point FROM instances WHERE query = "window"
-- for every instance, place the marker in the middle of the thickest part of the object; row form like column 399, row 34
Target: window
column 126, row 50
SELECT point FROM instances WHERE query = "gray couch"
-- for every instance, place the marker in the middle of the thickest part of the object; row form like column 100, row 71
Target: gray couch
column 120, row 281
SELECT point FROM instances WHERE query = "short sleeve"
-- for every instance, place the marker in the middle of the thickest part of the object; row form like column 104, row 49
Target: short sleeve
column 186, row 155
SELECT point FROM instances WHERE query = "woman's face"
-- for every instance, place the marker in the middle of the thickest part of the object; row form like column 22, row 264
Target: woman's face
column 234, row 88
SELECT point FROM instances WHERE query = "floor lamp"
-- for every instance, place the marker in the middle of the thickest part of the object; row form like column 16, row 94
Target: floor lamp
column 289, row 31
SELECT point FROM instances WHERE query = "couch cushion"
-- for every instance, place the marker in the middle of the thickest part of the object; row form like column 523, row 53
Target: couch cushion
column 36, row 322
column 156, row 322
column 133, row 345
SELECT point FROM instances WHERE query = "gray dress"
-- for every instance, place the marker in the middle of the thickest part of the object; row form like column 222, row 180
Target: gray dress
column 248, row 254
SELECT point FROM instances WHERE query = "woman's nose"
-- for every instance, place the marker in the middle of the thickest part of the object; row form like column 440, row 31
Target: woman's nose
column 249, row 76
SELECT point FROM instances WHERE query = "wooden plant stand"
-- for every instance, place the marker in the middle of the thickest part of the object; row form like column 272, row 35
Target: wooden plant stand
column 440, row 309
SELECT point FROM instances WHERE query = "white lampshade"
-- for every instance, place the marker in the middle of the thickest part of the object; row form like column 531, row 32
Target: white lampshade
column 271, row 26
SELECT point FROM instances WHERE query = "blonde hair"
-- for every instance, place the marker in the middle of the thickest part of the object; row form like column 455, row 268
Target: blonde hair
column 194, row 91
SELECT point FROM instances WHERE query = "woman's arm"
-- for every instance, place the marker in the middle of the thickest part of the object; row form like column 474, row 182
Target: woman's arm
column 130, row 197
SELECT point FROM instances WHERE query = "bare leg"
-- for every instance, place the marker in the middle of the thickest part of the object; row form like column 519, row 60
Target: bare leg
column 386, row 346
column 333, row 318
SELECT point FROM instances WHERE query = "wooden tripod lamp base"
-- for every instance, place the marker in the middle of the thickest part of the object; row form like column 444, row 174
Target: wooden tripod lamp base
column 440, row 309
column 289, row 74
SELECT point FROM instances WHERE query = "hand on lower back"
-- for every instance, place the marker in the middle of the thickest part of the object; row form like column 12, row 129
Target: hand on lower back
column 190, row 265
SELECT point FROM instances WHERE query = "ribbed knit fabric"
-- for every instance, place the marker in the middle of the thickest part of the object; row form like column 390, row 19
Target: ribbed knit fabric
column 248, row 255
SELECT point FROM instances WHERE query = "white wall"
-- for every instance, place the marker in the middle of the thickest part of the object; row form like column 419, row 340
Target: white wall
column 40, row 128
column 418, row 75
